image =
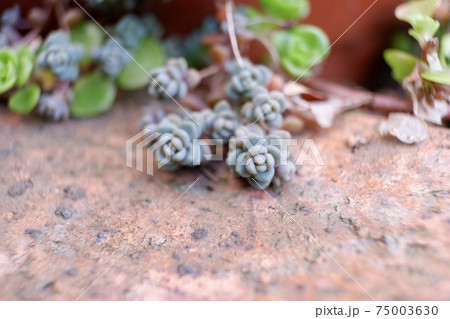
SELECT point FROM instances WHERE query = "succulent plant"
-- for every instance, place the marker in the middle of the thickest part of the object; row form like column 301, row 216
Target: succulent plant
column 8, row 68
column 283, row 173
column 173, row 80
column 15, row 67
column 222, row 122
column 60, row 56
column 111, row 58
column 287, row 9
column 301, row 48
column 10, row 17
column 152, row 26
column 130, row 30
column 4, row 41
column 54, row 106
column 232, row 66
column 265, row 107
column 261, row 160
column 151, row 118
column 246, row 79
column 256, row 162
column 176, row 146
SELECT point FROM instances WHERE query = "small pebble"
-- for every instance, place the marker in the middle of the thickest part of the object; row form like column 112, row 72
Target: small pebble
column 184, row 269
column 157, row 241
column 33, row 233
column 63, row 211
column 199, row 234
column 20, row 188
column 235, row 233
column 72, row 272
column 74, row 192
column 176, row 256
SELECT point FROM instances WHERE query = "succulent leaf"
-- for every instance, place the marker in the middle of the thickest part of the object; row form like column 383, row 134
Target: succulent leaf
column 8, row 69
column 24, row 100
column 401, row 63
column 94, row 94
column 149, row 55
column 287, row 9
column 301, row 48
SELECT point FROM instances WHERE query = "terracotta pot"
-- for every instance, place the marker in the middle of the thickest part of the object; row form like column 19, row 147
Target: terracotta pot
column 357, row 52
column 354, row 56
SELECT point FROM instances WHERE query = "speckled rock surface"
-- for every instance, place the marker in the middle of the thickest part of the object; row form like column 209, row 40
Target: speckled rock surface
column 70, row 208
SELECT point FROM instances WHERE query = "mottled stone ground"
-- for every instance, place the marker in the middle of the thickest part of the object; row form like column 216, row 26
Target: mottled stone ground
column 69, row 208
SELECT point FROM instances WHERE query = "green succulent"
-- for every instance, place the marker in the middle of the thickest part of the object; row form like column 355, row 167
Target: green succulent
column 301, row 48
column 424, row 28
column 15, row 67
column 287, row 9
column 24, row 100
column 445, row 49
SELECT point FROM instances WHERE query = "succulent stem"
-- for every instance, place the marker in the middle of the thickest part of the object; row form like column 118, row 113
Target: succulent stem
column 232, row 32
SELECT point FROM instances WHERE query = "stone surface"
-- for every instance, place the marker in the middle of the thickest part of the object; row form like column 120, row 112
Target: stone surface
column 381, row 210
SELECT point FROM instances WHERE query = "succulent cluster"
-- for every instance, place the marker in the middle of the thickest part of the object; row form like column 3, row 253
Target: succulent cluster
column 16, row 66
column 260, row 159
column 54, row 106
column 246, row 79
column 175, row 146
column 245, row 124
column 222, row 121
column 111, row 58
column 60, row 56
column 80, row 67
column 79, row 70
column 266, row 108
column 173, row 80
column 8, row 20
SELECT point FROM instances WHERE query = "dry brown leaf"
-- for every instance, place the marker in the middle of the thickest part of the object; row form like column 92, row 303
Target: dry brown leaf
column 320, row 106
column 406, row 128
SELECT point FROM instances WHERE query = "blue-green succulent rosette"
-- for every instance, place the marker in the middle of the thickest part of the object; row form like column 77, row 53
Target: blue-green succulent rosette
column 54, row 107
column 256, row 162
column 130, row 30
column 266, row 108
column 176, row 147
column 261, row 160
column 111, row 58
column 61, row 56
column 246, row 79
column 173, row 80
column 222, row 121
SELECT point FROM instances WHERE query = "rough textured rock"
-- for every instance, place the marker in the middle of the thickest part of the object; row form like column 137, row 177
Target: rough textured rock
column 381, row 211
